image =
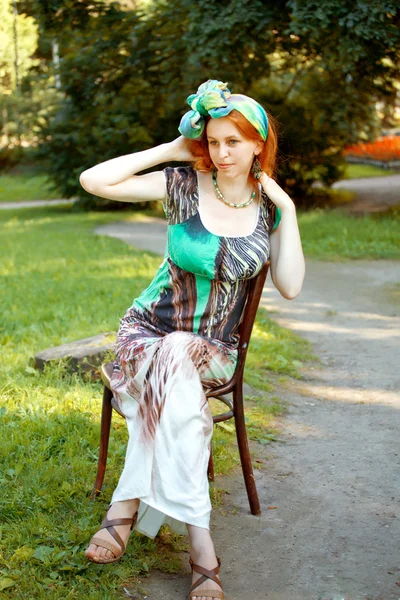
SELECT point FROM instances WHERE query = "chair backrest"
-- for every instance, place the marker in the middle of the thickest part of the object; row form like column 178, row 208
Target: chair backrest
column 245, row 329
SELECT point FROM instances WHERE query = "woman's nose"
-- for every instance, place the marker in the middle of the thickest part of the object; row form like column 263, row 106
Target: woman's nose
column 223, row 151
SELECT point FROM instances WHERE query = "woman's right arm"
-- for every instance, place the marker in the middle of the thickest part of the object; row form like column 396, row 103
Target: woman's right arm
column 116, row 179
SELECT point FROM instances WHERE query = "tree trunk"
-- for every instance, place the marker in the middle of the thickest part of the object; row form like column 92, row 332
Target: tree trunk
column 56, row 62
column 15, row 10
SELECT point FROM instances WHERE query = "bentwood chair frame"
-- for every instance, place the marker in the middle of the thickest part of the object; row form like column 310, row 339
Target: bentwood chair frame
column 236, row 408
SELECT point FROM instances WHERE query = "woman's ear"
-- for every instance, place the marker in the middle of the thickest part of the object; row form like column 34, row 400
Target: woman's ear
column 258, row 148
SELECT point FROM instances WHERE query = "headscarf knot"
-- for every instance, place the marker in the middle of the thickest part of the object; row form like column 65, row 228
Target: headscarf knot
column 210, row 98
column 213, row 99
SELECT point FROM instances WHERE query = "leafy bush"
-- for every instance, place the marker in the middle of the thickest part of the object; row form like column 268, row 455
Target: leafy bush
column 125, row 75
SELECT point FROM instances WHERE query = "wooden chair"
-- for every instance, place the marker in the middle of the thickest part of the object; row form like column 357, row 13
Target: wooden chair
column 236, row 408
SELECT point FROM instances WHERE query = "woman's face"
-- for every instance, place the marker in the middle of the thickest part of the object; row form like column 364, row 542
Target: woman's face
column 231, row 152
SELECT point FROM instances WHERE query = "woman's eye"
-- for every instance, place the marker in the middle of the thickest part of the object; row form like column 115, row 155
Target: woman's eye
column 212, row 143
column 233, row 142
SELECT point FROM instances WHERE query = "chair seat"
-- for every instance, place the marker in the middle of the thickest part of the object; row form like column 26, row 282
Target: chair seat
column 106, row 373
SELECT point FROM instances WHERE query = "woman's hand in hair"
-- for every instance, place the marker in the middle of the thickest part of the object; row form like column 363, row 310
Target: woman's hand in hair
column 274, row 191
column 179, row 149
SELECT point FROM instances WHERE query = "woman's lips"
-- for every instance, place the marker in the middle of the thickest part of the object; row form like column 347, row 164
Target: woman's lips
column 224, row 166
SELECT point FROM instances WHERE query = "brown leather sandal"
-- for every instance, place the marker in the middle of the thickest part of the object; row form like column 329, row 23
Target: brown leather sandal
column 109, row 525
column 206, row 574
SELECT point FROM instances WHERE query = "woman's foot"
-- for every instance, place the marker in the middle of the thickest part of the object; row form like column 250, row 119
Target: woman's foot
column 210, row 584
column 118, row 510
column 202, row 553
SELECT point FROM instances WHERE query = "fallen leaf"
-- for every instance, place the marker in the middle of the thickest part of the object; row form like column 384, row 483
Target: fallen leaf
column 22, row 554
column 272, row 507
column 42, row 553
column 30, row 371
column 6, row 582
column 226, row 427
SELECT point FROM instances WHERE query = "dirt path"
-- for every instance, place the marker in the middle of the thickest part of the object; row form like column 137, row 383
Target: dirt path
column 372, row 194
column 33, row 203
column 335, row 476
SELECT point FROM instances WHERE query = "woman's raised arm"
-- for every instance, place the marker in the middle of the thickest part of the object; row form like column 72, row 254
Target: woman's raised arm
column 287, row 260
column 116, row 179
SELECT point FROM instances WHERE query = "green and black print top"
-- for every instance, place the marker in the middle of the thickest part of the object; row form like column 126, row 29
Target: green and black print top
column 202, row 284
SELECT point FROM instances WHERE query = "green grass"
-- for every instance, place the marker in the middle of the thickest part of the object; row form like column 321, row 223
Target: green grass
column 355, row 171
column 15, row 187
column 59, row 283
column 334, row 235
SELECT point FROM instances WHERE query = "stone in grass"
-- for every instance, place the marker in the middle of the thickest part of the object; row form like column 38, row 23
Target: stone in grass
column 82, row 356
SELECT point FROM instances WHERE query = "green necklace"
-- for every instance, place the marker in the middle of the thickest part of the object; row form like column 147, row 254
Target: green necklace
column 221, row 197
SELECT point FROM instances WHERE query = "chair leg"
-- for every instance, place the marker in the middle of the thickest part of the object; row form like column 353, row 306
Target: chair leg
column 210, row 470
column 105, row 427
column 244, row 451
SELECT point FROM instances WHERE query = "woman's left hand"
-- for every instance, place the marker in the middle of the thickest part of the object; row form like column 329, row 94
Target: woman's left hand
column 274, row 191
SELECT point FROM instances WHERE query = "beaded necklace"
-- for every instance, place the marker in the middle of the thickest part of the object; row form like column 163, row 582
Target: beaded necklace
column 221, row 197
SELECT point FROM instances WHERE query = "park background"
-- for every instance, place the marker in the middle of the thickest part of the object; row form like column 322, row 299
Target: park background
column 82, row 82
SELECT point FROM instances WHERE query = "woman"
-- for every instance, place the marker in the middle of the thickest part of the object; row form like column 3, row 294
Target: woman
column 226, row 219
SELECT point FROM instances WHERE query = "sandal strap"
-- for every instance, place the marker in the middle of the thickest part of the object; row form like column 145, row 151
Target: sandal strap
column 107, row 545
column 208, row 594
column 109, row 525
column 125, row 521
column 207, row 574
column 215, row 570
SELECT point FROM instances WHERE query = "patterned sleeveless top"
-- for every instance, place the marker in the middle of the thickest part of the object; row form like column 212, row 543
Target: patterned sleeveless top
column 202, row 284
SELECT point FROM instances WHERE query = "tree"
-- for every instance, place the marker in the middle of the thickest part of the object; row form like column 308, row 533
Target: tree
column 320, row 67
column 18, row 38
column 18, row 41
column 105, row 110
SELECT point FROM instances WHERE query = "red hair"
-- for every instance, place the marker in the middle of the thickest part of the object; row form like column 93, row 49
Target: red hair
column 267, row 156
